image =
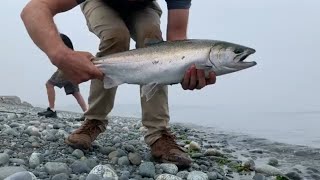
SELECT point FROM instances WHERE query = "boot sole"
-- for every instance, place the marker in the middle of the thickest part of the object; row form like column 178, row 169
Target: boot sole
column 76, row 146
column 180, row 165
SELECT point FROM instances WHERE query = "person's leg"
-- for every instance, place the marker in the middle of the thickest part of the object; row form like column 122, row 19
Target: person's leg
column 54, row 80
column 49, row 112
column 80, row 100
column 114, row 37
column 70, row 88
column 51, row 95
column 145, row 28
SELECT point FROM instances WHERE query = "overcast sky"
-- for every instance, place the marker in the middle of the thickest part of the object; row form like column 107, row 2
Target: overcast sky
column 284, row 33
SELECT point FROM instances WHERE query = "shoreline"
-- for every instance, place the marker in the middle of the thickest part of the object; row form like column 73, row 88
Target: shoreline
column 216, row 154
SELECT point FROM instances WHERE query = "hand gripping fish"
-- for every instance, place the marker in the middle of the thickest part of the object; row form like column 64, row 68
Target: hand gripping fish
column 165, row 63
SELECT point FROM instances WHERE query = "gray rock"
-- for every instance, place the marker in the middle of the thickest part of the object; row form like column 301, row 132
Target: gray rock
column 212, row 175
column 203, row 168
column 213, row 152
column 194, row 146
column 35, row 159
column 32, row 131
column 9, row 170
column 249, row 164
column 294, row 176
column 315, row 176
column 33, row 139
column 125, row 129
column 169, row 168
column 195, row 166
column 135, row 158
column 197, row 175
column 257, row 151
column 147, row 169
column 125, row 175
column 121, row 152
column 17, row 161
column 61, row 176
column 183, row 174
column 27, row 145
column 79, row 167
column 93, row 177
column 114, row 160
column 51, row 136
column 12, row 116
column 116, row 140
column 78, row 153
column 129, row 148
column 268, row 170
column 14, row 124
column 25, row 175
column 12, row 132
column 4, row 159
column 103, row 171
column 13, row 100
column 8, row 151
column 107, row 150
column 116, row 153
column 273, row 162
column 168, row 177
column 123, row 161
column 54, row 168
column 91, row 163
column 313, row 170
column 62, row 133
column 258, row 176
column 197, row 155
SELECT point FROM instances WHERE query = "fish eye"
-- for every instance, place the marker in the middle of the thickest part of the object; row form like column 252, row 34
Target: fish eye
column 238, row 51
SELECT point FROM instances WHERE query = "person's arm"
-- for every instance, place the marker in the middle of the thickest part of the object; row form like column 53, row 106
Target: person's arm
column 37, row 17
column 178, row 15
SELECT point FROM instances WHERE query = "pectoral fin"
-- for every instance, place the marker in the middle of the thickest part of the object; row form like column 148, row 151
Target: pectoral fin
column 206, row 67
column 149, row 90
column 203, row 66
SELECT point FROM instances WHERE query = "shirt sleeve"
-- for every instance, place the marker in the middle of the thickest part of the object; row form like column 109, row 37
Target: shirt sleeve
column 178, row 4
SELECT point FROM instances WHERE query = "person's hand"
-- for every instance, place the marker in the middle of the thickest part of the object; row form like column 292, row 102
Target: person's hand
column 77, row 66
column 195, row 79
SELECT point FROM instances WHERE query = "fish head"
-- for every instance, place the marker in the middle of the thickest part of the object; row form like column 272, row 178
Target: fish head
column 228, row 57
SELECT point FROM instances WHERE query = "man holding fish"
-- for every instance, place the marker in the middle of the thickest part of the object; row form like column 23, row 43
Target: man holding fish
column 115, row 22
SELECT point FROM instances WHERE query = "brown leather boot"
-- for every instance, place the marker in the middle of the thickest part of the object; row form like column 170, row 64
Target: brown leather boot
column 166, row 150
column 85, row 134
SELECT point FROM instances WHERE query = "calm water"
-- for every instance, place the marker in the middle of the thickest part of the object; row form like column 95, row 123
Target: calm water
column 300, row 127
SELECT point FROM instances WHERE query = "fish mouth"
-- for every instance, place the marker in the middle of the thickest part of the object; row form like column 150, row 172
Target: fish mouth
column 241, row 59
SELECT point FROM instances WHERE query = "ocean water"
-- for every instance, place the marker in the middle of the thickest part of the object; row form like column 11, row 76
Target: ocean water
column 299, row 126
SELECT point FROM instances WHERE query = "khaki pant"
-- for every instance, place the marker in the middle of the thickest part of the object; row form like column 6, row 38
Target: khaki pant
column 114, row 32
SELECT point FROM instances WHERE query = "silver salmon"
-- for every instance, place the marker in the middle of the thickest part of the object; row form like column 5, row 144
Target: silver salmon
column 165, row 63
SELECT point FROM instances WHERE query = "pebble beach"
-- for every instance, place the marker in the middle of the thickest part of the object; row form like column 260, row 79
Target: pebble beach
column 32, row 147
